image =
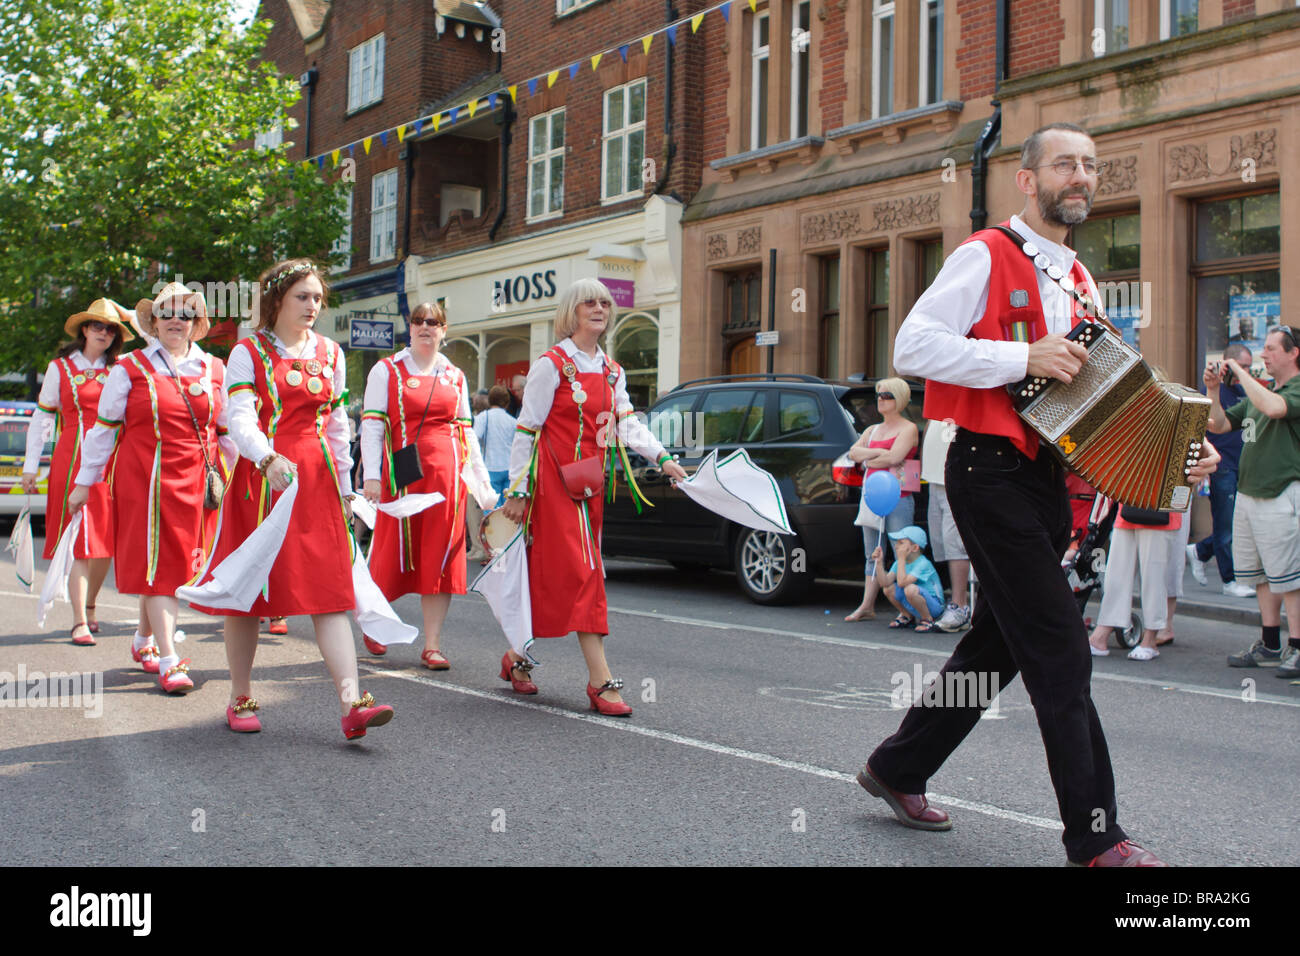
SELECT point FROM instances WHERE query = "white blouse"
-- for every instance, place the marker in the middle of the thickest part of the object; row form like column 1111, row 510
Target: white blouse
column 539, row 395
column 41, row 428
column 242, row 409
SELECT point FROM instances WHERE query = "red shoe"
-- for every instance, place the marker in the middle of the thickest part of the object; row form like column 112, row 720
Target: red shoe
column 365, row 713
column 236, row 719
column 435, row 665
column 279, row 625
column 1124, row 853
column 148, row 658
column 176, row 680
column 608, row 708
column 374, row 647
column 912, row 809
column 508, row 668
column 90, row 619
column 86, row 640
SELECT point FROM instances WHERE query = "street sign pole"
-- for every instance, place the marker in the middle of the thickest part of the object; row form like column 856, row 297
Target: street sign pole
column 771, row 304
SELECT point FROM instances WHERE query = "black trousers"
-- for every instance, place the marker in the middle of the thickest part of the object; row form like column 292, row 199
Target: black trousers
column 1014, row 518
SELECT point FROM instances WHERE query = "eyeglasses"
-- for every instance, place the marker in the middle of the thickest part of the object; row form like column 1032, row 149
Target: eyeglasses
column 592, row 303
column 888, row 395
column 183, row 316
column 96, row 327
column 429, row 320
column 1065, row 167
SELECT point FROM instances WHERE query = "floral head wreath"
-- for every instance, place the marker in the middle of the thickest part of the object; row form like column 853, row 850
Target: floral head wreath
column 276, row 281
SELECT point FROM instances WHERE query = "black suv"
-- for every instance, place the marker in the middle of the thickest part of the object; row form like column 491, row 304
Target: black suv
column 798, row 428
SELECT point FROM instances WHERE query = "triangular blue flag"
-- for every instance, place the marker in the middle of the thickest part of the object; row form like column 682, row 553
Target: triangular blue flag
column 383, row 137
column 672, row 35
column 726, row 11
column 320, row 161
column 492, row 101
column 573, row 70
column 419, row 125
column 622, row 51
column 351, row 146
column 532, row 87
column 455, row 111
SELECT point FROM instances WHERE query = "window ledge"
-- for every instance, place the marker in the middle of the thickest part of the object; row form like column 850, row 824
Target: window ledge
column 804, row 149
column 938, row 117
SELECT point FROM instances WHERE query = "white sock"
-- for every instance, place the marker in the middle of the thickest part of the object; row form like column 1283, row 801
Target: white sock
column 168, row 662
column 139, row 642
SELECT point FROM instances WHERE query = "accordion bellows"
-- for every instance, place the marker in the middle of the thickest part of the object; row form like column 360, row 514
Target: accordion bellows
column 1125, row 432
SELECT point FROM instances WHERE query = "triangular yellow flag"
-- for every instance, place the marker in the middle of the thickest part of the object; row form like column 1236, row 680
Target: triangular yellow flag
column 696, row 21
column 365, row 144
column 437, row 121
column 595, row 61
column 473, row 107
column 401, row 132
column 753, row 5
column 335, row 156
column 513, row 90
column 551, row 78
column 646, row 41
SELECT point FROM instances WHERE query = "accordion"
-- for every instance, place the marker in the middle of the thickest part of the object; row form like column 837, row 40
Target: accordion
column 1126, row 433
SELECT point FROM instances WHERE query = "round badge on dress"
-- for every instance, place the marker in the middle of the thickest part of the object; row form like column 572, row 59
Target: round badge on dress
column 313, row 367
column 315, row 386
column 1030, row 249
column 576, row 386
column 1042, row 261
column 296, row 364
column 1066, row 283
column 412, row 382
column 293, row 377
column 569, row 370
column 1054, row 271
column 579, row 396
column 613, row 378
column 196, row 389
column 78, row 380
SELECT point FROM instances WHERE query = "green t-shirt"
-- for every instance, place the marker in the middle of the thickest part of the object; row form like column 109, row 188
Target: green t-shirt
column 1270, row 459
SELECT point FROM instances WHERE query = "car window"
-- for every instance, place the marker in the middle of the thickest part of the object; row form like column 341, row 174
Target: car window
column 673, row 424
column 731, row 416
column 799, row 412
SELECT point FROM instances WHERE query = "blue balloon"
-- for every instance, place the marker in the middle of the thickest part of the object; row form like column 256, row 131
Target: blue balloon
column 881, row 492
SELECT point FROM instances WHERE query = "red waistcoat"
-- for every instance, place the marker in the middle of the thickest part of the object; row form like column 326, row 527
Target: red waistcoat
column 989, row 410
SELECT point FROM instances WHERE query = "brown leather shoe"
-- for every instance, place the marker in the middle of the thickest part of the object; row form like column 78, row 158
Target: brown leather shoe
column 1124, row 853
column 912, row 809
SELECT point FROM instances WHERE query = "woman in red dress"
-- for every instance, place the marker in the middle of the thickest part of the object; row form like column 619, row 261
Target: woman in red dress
column 418, row 397
column 149, row 409
column 573, row 397
column 287, row 387
column 69, row 397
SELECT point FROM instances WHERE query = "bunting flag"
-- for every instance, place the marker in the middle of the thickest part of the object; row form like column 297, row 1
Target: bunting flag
column 532, row 87
column 696, row 21
column 753, row 6
column 365, row 143
column 437, row 121
column 335, row 156
column 622, row 51
column 351, row 151
column 726, row 11
column 595, row 61
column 401, row 133
column 551, row 78
column 383, row 138
column 492, row 100
column 645, row 43
column 573, row 69
column 419, row 125
column 514, row 93
column 452, row 115
column 320, row 161
column 672, row 35
column 472, row 106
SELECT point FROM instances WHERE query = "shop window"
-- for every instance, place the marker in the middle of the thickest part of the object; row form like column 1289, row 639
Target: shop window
column 1110, row 247
column 829, row 328
column 636, row 348
column 1237, row 272
column 878, row 337
column 546, row 165
column 624, row 142
column 464, row 355
column 1178, row 18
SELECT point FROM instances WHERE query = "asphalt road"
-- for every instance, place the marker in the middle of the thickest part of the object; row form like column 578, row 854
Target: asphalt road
column 749, row 726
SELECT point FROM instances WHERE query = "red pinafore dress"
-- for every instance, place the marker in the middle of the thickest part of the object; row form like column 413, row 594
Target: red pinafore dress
column 313, row 571
column 79, row 391
column 566, row 577
column 425, row 553
column 163, row 531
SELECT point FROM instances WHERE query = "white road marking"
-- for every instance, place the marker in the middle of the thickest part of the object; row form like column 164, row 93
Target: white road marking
column 723, row 749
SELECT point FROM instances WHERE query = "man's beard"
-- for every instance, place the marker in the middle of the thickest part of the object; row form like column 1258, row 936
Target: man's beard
column 1053, row 208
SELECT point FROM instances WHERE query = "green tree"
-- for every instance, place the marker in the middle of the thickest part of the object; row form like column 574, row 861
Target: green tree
column 125, row 132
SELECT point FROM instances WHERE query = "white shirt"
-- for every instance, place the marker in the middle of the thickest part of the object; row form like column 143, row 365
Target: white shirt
column 372, row 429
column 241, row 408
column 539, row 394
column 496, row 429
column 98, row 446
column 932, row 342
column 41, row 428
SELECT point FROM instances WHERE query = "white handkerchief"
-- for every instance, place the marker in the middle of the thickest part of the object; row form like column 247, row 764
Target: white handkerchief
column 20, row 544
column 375, row 616
column 739, row 490
column 504, row 582
column 237, row 580
column 364, row 510
column 409, row 505
column 56, row 578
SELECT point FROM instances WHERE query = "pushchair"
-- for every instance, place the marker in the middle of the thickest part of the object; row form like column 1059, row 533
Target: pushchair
column 1086, row 568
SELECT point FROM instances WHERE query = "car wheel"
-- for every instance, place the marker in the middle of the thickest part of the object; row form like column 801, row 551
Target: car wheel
column 771, row 568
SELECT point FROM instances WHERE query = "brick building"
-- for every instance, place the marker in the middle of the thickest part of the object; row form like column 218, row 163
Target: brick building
column 841, row 134
column 554, row 166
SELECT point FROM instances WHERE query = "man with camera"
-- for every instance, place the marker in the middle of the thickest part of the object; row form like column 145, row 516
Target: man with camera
column 1265, row 534
column 1223, row 489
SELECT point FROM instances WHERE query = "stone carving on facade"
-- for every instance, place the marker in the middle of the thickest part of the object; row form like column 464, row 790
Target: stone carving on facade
column 1120, row 176
column 833, row 224
column 1188, row 162
column 718, row 246
column 1258, row 147
column 748, row 240
column 905, row 213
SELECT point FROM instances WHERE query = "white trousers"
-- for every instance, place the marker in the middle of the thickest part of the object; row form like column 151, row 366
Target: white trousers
column 1155, row 554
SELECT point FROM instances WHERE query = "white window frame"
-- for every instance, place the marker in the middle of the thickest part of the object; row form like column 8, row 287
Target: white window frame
column 366, row 73
column 383, row 216
column 1101, row 21
column 923, row 74
column 568, row 6
column 625, row 133
column 881, row 11
column 1167, row 19
column 758, row 89
column 795, row 91
column 344, row 242
column 269, row 138
column 541, row 163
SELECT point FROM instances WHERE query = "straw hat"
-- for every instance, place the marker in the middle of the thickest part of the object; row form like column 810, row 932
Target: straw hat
column 101, row 310
column 146, row 309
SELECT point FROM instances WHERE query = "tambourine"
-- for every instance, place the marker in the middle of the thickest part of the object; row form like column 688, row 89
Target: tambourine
column 496, row 531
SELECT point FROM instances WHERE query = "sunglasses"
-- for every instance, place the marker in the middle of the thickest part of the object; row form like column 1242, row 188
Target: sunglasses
column 888, row 395
column 592, row 303
column 97, row 327
column 421, row 320
column 183, row 316
column 1289, row 332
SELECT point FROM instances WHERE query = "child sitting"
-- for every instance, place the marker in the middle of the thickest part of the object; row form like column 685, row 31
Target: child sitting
column 912, row 584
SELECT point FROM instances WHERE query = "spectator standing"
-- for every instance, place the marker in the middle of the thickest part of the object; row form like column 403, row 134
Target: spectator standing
column 495, row 429
column 1223, row 490
column 517, row 383
column 1155, row 552
column 947, row 544
column 1265, row 537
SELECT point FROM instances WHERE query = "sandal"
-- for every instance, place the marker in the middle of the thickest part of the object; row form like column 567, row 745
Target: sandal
column 90, row 619
column 925, row 627
column 435, row 665
column 903, row 620
column 87, row 640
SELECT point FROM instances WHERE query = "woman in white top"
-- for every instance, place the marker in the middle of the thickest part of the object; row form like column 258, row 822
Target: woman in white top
column 495, row 428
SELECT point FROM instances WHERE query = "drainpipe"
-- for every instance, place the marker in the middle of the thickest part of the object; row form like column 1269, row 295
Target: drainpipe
column 993, row 128
column 507, row 118
column 308, row 82
column 409, row 155
column 671, row 14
